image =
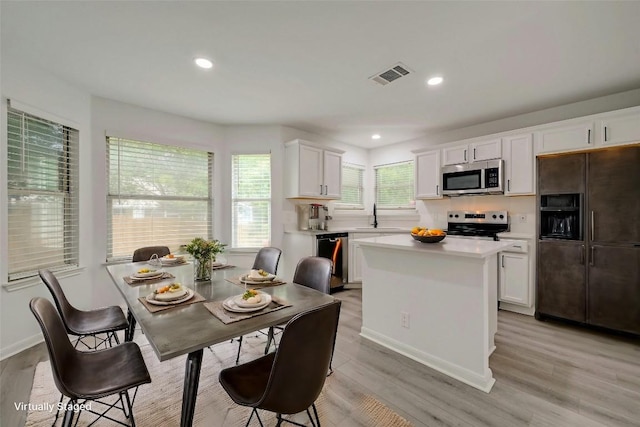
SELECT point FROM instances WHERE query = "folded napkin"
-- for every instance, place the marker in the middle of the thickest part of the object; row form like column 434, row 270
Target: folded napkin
column 217, row 309
column 155, row 308
column 221, row 266
column 133, row 282
column 236, row 281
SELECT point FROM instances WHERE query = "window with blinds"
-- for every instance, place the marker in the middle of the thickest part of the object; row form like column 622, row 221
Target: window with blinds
column 251, row 200
column 352, row 187
column 158, row 195
column 394, row 186
column 42, row 182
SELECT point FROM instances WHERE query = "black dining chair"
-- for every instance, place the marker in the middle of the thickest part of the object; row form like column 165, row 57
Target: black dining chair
column 145, row 254
column 289, row 380
column 100, row 325
column 312, row 272
column 267, row 259
column 89, row 376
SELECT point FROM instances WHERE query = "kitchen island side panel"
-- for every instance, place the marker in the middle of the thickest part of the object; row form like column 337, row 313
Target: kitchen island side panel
column 451, row 304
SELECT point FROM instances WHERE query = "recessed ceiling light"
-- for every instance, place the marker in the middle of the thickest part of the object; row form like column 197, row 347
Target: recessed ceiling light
column 433, row 81
column 375, row 136
column 203, row 63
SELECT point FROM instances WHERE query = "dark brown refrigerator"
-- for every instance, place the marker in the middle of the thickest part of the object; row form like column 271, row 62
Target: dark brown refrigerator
column 588, row 264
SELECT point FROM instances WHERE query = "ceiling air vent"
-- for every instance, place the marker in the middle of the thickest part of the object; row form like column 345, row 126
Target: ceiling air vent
column 393, row 73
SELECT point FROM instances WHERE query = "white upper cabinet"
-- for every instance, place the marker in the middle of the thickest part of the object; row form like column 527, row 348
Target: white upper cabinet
column 578, row 136
column 312, row 172
column 619, row 129
column 517, row 152
column 474, row 152
column 428, row 175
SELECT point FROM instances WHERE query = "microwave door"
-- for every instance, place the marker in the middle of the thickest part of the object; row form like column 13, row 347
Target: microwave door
column 468, row 181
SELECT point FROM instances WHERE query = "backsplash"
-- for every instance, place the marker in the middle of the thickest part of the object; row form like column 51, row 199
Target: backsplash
column 433, row 213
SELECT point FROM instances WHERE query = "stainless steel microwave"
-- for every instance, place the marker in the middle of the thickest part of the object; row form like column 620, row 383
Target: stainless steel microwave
column 473, row 178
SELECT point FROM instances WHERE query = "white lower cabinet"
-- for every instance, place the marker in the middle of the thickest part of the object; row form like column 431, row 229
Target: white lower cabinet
column 355, row 255
column 514, row 278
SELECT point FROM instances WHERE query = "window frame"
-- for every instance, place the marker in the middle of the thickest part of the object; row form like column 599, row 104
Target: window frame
column 111, row 197
column 66, row 187
column 339, row 205
column 412, row 202
column 233, row 200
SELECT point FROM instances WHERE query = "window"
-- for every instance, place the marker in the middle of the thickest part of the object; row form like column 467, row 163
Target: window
column 42, row 182
column 394, row 186
column 251, row 200
column 158, row 195
column 352, row 187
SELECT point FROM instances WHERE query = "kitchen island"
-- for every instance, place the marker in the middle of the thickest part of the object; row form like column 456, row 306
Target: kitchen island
column 435, row 303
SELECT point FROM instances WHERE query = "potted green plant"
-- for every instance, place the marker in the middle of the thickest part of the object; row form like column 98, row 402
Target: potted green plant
column 204, row 254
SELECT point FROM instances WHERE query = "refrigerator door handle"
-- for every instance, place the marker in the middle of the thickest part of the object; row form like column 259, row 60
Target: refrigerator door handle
column 593, row 227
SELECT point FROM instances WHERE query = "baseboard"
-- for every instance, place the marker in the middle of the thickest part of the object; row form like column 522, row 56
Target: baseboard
column 20, row 346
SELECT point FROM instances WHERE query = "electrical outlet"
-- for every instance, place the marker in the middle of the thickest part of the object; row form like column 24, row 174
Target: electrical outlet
column 404, row 319
column 522, row 218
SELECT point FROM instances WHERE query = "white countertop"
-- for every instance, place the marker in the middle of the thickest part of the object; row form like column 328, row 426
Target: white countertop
column 386, row 230
column 455, row 247
column 510, row 235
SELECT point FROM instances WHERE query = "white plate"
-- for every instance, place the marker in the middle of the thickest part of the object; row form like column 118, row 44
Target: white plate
column 170, row 263
column 251, row 281
column 151, row 299
column 230, row 305
column 172, row 296
column 265, row 299
column 150, row 275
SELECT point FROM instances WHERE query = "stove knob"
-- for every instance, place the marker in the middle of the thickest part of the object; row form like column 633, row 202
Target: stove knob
column 450, row 216
column 494, row 217
column 456, row 215
column 501, row 216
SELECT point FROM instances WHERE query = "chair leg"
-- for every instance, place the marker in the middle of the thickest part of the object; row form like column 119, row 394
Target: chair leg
column 315, row 412
column 269, row 339
column 279, row 420
column 130, row 408
column 255, row 411
column 68, row 414
column 239, row 348
column 58, row 411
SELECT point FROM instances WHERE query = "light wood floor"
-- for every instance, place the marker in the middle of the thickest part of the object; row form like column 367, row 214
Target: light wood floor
column 547, row 374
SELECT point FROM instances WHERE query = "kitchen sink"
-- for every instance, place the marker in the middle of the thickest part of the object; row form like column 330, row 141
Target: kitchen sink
column 379, row 228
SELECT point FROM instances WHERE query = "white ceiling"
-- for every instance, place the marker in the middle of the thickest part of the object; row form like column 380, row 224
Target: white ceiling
column 306, row 64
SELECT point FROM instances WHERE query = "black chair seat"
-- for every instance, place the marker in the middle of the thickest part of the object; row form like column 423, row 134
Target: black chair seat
column 105, row 372
column 101, row 320
column 246, row 383
column 145, row 254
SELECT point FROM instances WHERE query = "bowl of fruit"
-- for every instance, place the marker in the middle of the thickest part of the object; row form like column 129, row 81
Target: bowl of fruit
column 428, row 235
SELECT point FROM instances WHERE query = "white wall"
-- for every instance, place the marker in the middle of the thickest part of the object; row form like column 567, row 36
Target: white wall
column 55, row 98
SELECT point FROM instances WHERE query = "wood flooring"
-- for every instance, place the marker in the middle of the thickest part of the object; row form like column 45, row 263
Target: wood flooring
column 547, row 374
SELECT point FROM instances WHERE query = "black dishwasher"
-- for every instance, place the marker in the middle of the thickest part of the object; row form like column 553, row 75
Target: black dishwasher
column 335, row 247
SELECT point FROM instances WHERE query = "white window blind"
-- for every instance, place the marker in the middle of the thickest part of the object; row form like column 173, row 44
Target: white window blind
column 394, row 186
column 158, row 195
column 251, row 200
column 352, row 187
column 42, row 182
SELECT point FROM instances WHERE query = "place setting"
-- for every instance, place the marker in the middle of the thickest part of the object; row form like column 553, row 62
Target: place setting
column 257, row 279
column 146, row 275
column 244, row 306
column 169, row 296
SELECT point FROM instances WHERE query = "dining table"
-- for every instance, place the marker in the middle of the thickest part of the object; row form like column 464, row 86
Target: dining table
column 188, row 329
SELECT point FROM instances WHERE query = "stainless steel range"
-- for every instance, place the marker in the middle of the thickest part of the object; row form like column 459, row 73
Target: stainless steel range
column 477, row 224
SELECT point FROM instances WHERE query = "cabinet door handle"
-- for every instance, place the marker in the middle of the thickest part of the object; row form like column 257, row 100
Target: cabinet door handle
column 465, row 155
column 326, row 190
column 592, row 261
column 437, row 190
column 593, row 227
column 474, row 154
column 589, row 136
column 605, row 134
column 502, row 261
column 321, row 189
column 508, row 185
column 582, row 248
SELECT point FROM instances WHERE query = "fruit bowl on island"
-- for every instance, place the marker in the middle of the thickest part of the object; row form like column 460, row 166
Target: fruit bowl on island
column 426, row 235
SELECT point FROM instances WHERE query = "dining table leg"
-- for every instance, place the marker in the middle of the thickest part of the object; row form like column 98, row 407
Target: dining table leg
column 190, row 390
